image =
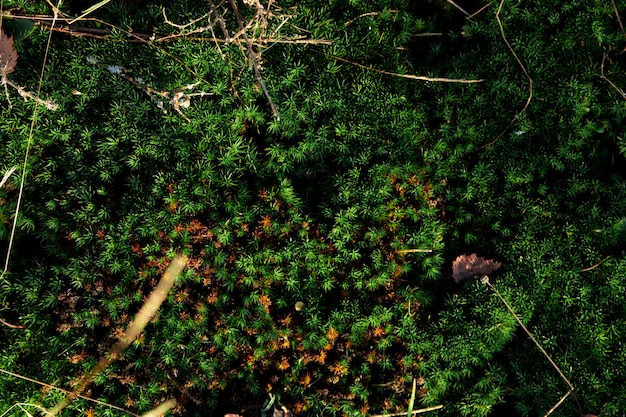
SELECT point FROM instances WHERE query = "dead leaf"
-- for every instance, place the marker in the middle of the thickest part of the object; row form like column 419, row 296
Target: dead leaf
column 467, row 266
column 8, row 54
column 283, row 412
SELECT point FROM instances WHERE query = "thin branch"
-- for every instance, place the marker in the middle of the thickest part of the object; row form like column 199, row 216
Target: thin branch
column 618, row 18
column 409, row 76
column 478, row 11
column 485, row 280
column 220, row 19
column 217, row 45
column 27, row 95
column 99, row 33
column 530, row 80
column 619, row 90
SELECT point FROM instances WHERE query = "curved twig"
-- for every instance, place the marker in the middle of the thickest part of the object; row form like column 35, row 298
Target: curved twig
column 519, row 62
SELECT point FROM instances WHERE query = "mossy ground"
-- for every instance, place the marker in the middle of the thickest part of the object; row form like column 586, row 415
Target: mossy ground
column 316, row 206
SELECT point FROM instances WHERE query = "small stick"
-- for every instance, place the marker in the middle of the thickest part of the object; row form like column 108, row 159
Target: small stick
column 49, row 104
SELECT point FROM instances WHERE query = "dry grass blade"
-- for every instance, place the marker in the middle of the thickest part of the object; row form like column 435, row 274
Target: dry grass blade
column 90, row 10
column 477, row 12
column 147, row 311
column 592, row 267
column 12, row 326
column 28, row 145
column 43, row 384
column 409, row 76
column 6, row 176
column 420, row 411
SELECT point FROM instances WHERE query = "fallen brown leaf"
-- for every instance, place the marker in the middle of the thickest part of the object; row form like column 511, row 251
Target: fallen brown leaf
column 8, row 54
column 467, row 266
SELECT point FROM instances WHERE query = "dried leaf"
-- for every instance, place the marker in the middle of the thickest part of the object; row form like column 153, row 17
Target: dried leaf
column 8, row 54
column 467, row 266
column 282, row 412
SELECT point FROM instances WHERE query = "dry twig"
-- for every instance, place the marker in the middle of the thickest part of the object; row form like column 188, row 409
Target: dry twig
column 618, row 18
column 253, row 58
column 592, row 267
column 519, row 62
column 477, row 12
column 619, row 90
column 570, row 387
